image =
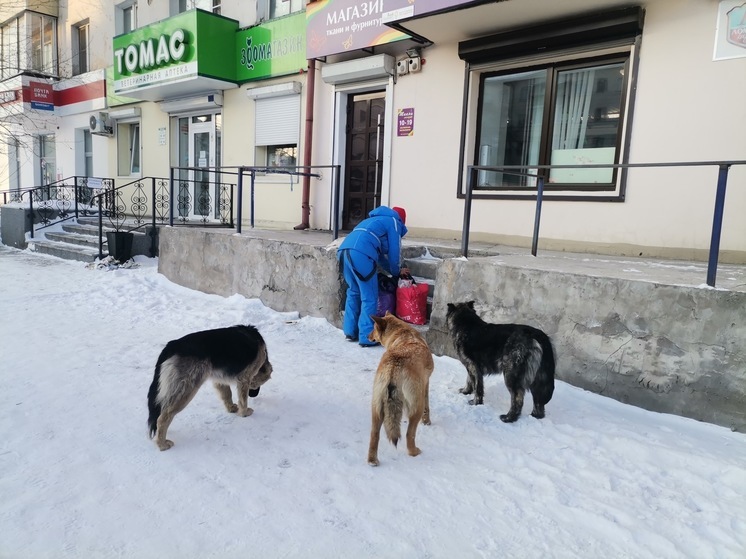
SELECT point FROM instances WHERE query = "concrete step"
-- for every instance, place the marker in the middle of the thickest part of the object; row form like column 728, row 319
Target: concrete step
column 86, row 240
column 83, row 229
column 64, row 250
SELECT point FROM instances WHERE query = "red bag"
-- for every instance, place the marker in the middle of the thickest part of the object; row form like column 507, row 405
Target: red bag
column 411, row 303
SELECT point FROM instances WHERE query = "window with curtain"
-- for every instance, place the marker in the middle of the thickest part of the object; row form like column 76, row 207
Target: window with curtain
column 558, row 115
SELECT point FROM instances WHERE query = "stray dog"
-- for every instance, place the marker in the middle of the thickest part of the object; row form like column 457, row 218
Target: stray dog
column 523, row 354
column 235, row 355
column 402, row 380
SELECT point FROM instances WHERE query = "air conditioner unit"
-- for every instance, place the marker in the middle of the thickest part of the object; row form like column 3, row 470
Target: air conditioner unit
column 100, row 125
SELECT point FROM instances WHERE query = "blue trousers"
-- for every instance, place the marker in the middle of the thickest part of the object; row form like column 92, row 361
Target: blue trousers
column 362, row 297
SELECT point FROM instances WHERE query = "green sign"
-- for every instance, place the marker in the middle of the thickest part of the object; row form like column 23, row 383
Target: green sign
column 180, row 48
column 274, row 48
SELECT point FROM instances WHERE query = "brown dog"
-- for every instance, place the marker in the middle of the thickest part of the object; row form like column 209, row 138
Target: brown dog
column 402, row 380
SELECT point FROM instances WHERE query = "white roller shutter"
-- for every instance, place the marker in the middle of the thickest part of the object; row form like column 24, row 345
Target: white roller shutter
column 278, row 120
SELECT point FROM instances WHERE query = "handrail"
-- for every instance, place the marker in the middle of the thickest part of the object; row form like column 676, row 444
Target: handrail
column 524, row 170
column 253, row 171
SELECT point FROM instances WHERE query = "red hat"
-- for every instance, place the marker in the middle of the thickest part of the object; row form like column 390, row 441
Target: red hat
column 402, row 214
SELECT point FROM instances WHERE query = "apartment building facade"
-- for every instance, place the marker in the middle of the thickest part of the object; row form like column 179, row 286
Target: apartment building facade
column 404, row 96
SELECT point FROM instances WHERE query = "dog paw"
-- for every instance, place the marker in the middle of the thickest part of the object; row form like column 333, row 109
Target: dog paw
column 246, row 413
column 537, row 415
column 465, row 390
column 507, row 418
column 475, row 402
column 373, row 461
column 233, row 408
column 166, row 445
column 414, row 451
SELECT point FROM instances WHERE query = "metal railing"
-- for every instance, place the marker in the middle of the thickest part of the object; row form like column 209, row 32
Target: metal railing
column 147, row 200
column 526, row 171
column 58, row 201
column 252, row 172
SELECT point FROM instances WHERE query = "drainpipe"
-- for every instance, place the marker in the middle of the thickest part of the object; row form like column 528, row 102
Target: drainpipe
column 308, row 136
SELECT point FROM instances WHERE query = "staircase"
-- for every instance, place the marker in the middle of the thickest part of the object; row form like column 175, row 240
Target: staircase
column 76, row 241
column 423, row 265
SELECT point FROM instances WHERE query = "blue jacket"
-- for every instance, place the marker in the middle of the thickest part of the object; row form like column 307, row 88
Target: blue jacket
column 379, row 238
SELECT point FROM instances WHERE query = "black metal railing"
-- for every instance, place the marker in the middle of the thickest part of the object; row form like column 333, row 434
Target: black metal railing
column 185, row 197
column 533, row 172
column 147, row 201
column 58, row 201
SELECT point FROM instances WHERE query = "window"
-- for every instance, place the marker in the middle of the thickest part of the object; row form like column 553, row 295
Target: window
column 125, row 18
column 14, row 163
column 42, row 32
column 128, row 148
column 213, row 6
column 10, row 54
column 523, row 122
column 88, row 153
column 558, row 93
column 271, row 9
column 81, row 62
column 277, row 130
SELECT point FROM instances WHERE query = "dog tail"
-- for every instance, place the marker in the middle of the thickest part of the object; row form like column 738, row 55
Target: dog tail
column 393, row 409
column 154, row 405
column 388, row 404
column 543, row 385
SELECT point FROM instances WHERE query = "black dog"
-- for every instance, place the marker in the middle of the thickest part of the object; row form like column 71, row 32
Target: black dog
column 523, row 354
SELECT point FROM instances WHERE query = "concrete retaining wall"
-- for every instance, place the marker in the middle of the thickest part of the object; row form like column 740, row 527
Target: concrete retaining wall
column 284, row 276
column 670, row 349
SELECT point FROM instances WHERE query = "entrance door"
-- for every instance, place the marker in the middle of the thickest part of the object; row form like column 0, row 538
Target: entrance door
column 199, row 156
column 364, row 156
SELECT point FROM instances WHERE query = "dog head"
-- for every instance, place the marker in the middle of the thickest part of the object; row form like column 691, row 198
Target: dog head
column 459, row 309
column 262, row 376
column 385, row 327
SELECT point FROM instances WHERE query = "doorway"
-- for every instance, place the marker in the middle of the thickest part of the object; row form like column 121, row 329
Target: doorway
column 199, row 158
column 364, row 135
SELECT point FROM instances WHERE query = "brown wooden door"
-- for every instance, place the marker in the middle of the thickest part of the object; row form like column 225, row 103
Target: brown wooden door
column 364, row 157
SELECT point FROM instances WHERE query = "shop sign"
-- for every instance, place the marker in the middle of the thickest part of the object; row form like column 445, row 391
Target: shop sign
column 405, row 122
column 41, row 96
column 730, row 36
column 274, row 48
column 176, row 49
column 336, row 26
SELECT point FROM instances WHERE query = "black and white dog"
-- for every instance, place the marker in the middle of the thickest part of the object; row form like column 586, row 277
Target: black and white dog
column 228, row 356
column 523, row 354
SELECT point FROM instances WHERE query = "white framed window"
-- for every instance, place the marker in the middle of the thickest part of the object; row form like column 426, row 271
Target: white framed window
column 88, row 153
column 179, row 6
column 277, row 130
column 80, row 41
column 271, row 9
column 125, row 17
column 42, row 34
column 128, row 149
column 9, row 60
column 14, row 163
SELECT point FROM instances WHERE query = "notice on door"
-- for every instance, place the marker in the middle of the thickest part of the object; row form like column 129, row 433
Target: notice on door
column 405, row 122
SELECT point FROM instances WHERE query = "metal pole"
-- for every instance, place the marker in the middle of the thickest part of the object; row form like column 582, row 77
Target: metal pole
column 717, row 225
column 171, row 198
column 335, row 203
column 467, row 215
column 100, row 227
column 152, row 213
column 253, row 176
column 239, row 209
column 537, row 217
column 31, row 209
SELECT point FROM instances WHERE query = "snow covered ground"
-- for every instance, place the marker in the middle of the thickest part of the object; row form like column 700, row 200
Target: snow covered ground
column 80, row 478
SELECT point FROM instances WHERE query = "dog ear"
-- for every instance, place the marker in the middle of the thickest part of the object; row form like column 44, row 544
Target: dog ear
column 378, row 320
column 451, row 306
column 470, row 304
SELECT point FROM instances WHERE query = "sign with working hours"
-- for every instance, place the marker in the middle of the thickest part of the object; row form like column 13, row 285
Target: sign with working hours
column 405, row 122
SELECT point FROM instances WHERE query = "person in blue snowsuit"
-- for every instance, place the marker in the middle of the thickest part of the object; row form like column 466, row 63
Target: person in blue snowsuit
column 375, row 241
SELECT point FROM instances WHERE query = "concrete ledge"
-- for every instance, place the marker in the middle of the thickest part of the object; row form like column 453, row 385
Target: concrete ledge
column 666, row 348
column 283, row 275
column 670, row 349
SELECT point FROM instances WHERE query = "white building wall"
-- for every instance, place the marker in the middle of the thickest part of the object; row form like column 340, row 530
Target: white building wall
column 688, row 108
